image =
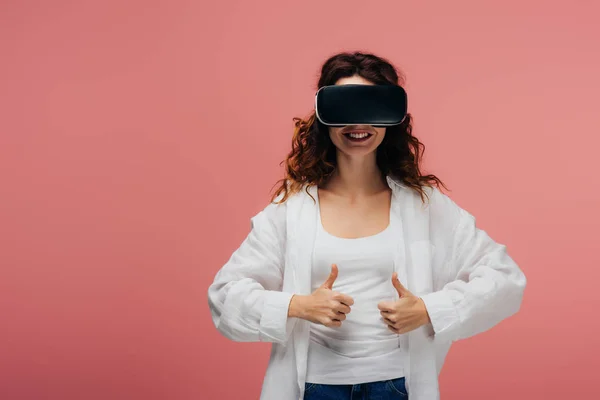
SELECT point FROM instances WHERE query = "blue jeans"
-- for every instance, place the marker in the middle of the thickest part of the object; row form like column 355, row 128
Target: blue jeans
column 393, row 389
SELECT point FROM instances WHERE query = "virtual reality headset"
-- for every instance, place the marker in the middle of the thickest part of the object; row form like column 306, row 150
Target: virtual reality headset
column 354, row 104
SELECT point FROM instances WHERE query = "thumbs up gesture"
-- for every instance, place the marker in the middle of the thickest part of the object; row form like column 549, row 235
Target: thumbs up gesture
column 324, row 306
column 405, row 314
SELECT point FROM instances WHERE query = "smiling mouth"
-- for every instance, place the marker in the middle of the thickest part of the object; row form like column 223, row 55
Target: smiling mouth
column 358, row 136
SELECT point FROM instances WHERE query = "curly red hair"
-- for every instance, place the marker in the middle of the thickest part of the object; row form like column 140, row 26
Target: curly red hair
column 312, row 159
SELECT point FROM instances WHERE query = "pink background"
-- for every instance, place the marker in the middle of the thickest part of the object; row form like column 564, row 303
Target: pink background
column 137, row 139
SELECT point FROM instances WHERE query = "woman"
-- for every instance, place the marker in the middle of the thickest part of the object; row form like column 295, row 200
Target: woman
column 360, row 271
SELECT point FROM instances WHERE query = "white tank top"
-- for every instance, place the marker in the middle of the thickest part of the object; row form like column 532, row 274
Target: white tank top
column 363, row 349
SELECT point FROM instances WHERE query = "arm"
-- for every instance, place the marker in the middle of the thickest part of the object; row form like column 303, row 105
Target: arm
column 245, row 299
column 483, row 283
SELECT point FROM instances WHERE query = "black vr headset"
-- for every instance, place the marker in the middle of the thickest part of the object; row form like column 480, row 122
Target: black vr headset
column 376, row 105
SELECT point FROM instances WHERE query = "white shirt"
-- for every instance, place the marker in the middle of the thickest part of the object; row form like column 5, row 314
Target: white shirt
column 468, row 283
column 363, row 349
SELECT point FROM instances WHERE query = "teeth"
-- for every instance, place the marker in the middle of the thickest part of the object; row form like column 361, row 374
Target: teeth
column 358, row 135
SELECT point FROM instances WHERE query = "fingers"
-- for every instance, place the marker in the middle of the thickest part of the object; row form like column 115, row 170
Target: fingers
column 389, row 318
column 393, row 325
column 402, row 291
column 332, row 277
column 391, row 328
column 336, row 314
column 342, row 308
column 339, row 316
column 343, row 298
column 386, row 306
column 333, row 324
column 396, row 325
column 333, row 319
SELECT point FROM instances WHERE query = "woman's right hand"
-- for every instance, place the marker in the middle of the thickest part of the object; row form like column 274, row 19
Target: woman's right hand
column 323, row 306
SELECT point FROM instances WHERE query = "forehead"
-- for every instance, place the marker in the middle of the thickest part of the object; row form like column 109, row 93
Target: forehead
column 355, row 80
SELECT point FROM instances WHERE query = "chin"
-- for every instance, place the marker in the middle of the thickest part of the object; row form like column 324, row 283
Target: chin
column 357, row 151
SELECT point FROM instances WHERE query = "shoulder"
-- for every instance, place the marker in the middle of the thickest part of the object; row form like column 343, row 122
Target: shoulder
column 440, row 202
column 271, row 217
column 444, row 212
column 274, row 215
column 444, row 206
column 435, row 199
column 448, row 220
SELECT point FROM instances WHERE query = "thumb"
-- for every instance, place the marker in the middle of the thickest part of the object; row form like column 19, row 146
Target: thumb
column 402, row 291
column 332, row 276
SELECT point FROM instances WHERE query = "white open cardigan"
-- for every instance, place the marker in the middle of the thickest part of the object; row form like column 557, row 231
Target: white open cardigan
column 467, row 281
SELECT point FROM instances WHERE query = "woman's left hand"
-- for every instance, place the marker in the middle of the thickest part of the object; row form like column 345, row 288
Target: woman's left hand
column 405, row 314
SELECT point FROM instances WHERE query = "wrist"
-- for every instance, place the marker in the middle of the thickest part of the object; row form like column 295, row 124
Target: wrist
column 296, row 307
column 425, row 313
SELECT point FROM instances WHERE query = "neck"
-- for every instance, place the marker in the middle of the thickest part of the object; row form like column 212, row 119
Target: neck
column 356, row 176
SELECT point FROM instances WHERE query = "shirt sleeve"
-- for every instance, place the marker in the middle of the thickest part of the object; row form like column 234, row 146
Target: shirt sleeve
column 485, row 284
column 246, row 300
